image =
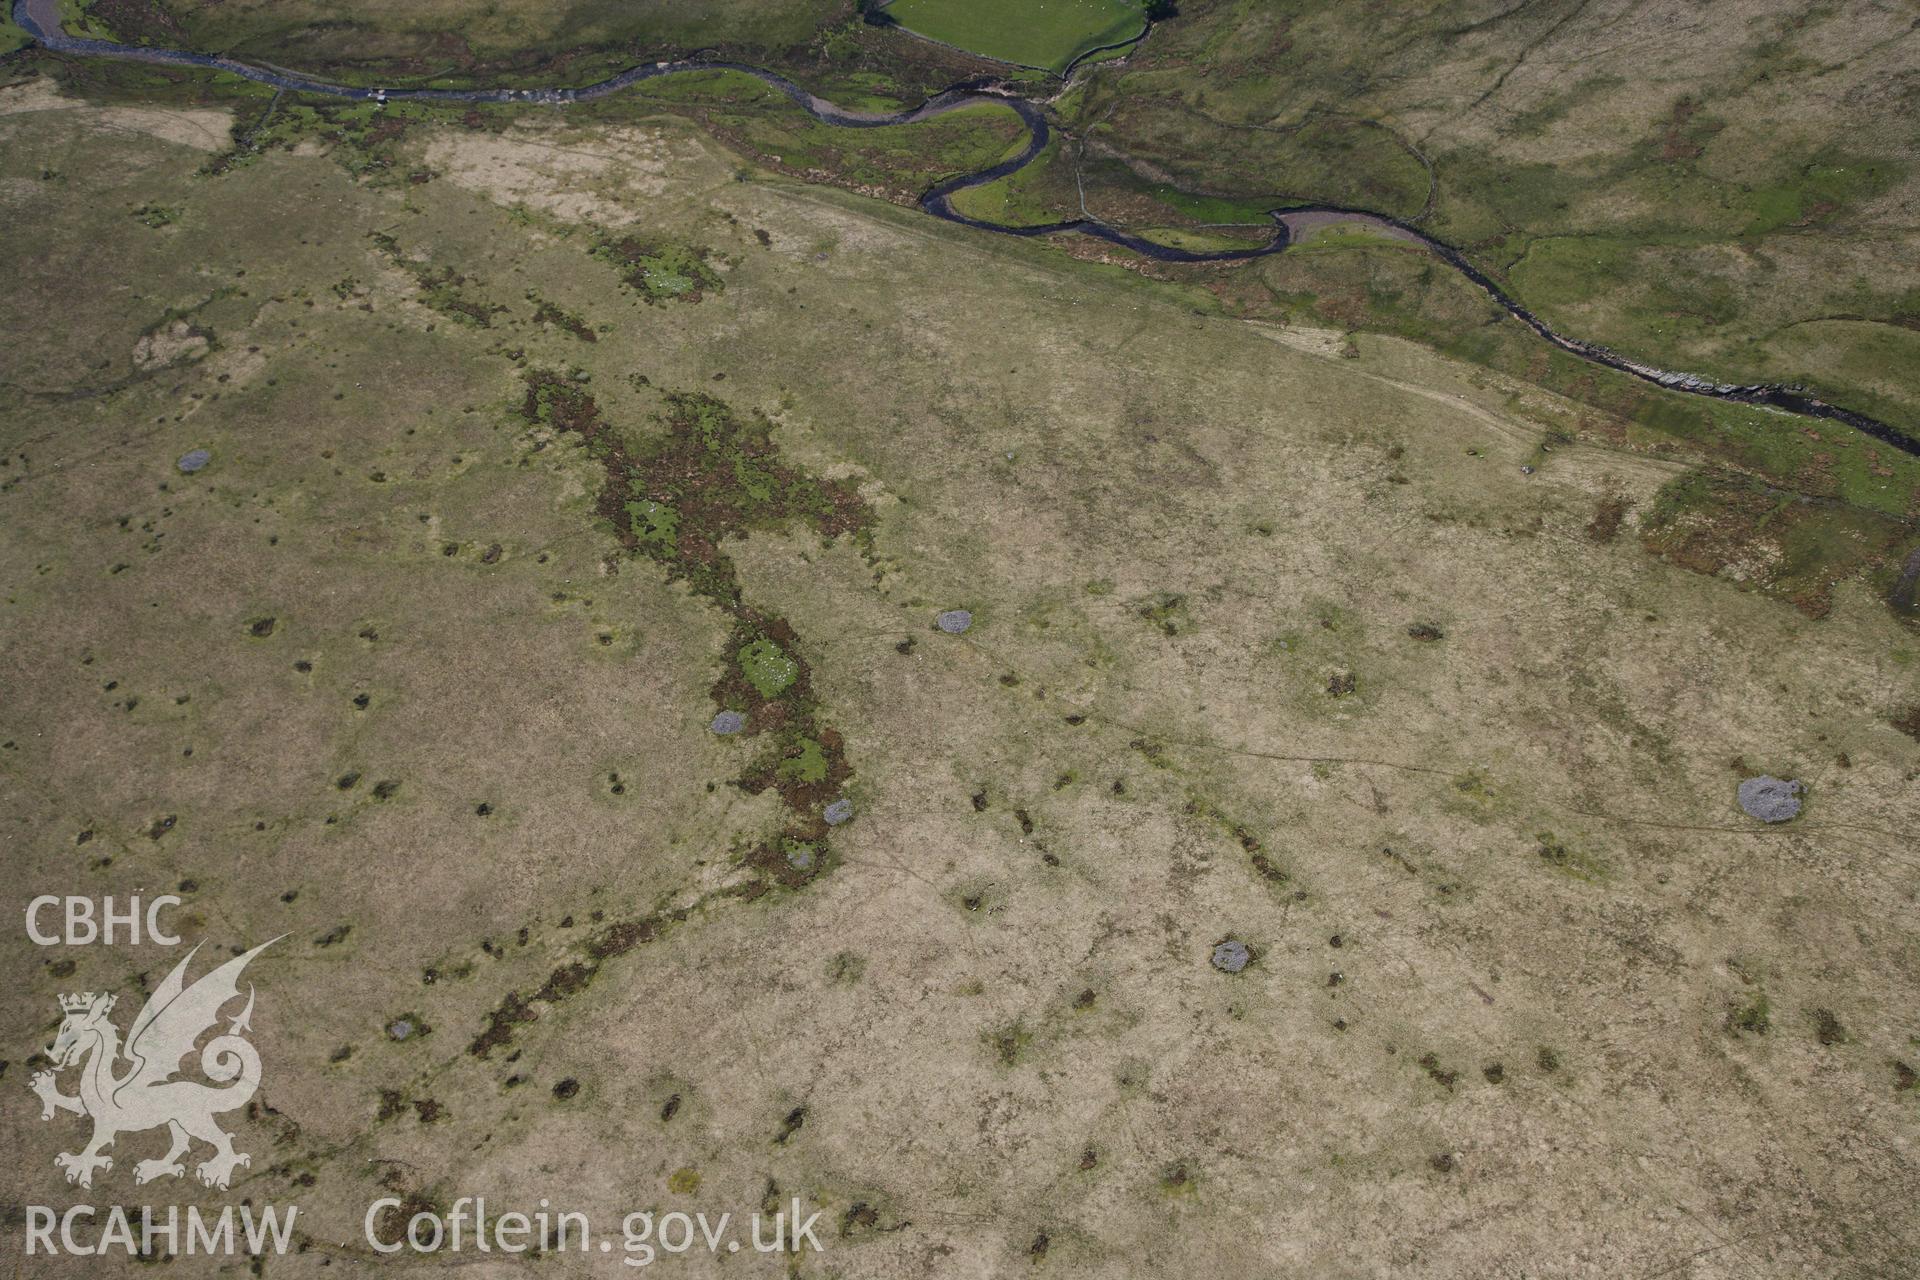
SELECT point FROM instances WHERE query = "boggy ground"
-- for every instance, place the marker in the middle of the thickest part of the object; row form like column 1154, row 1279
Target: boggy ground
column 1273, row 641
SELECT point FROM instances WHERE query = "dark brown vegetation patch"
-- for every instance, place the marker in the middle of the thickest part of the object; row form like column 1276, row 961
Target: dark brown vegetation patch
column 1712, row 522
column 546, row 312
column 1607, row 515
column 440, row 288
column 1430, row 1063
column 716, row 474
column 1256, row 851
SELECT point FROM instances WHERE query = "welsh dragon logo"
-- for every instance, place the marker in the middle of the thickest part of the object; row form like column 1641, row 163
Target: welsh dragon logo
column 145, row 1094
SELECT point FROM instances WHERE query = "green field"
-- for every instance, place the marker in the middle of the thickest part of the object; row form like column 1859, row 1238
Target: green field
column 1046, row 33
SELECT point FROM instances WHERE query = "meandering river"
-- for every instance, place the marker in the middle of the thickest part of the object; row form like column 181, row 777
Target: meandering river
column 41, row 20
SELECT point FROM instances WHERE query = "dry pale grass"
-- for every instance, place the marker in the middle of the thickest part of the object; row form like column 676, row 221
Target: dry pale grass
column 1500, row 899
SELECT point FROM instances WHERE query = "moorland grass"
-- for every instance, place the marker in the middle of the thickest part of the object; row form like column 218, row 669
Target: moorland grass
column 1049, row 34
column 451, row 43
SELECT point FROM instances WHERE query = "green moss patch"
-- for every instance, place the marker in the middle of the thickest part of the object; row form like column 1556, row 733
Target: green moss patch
column 767, row 668
column 655, row 524
column 661, row 271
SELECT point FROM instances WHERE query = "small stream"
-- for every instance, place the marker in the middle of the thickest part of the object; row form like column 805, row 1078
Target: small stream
column 41, row 20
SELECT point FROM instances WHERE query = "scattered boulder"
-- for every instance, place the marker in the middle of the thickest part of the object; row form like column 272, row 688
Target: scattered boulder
column 1231, row 956
column 1771, row 799
column 837, row 812
column 193, row 460
column 954, row 621
column 728, row 722
column 400, row 1029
